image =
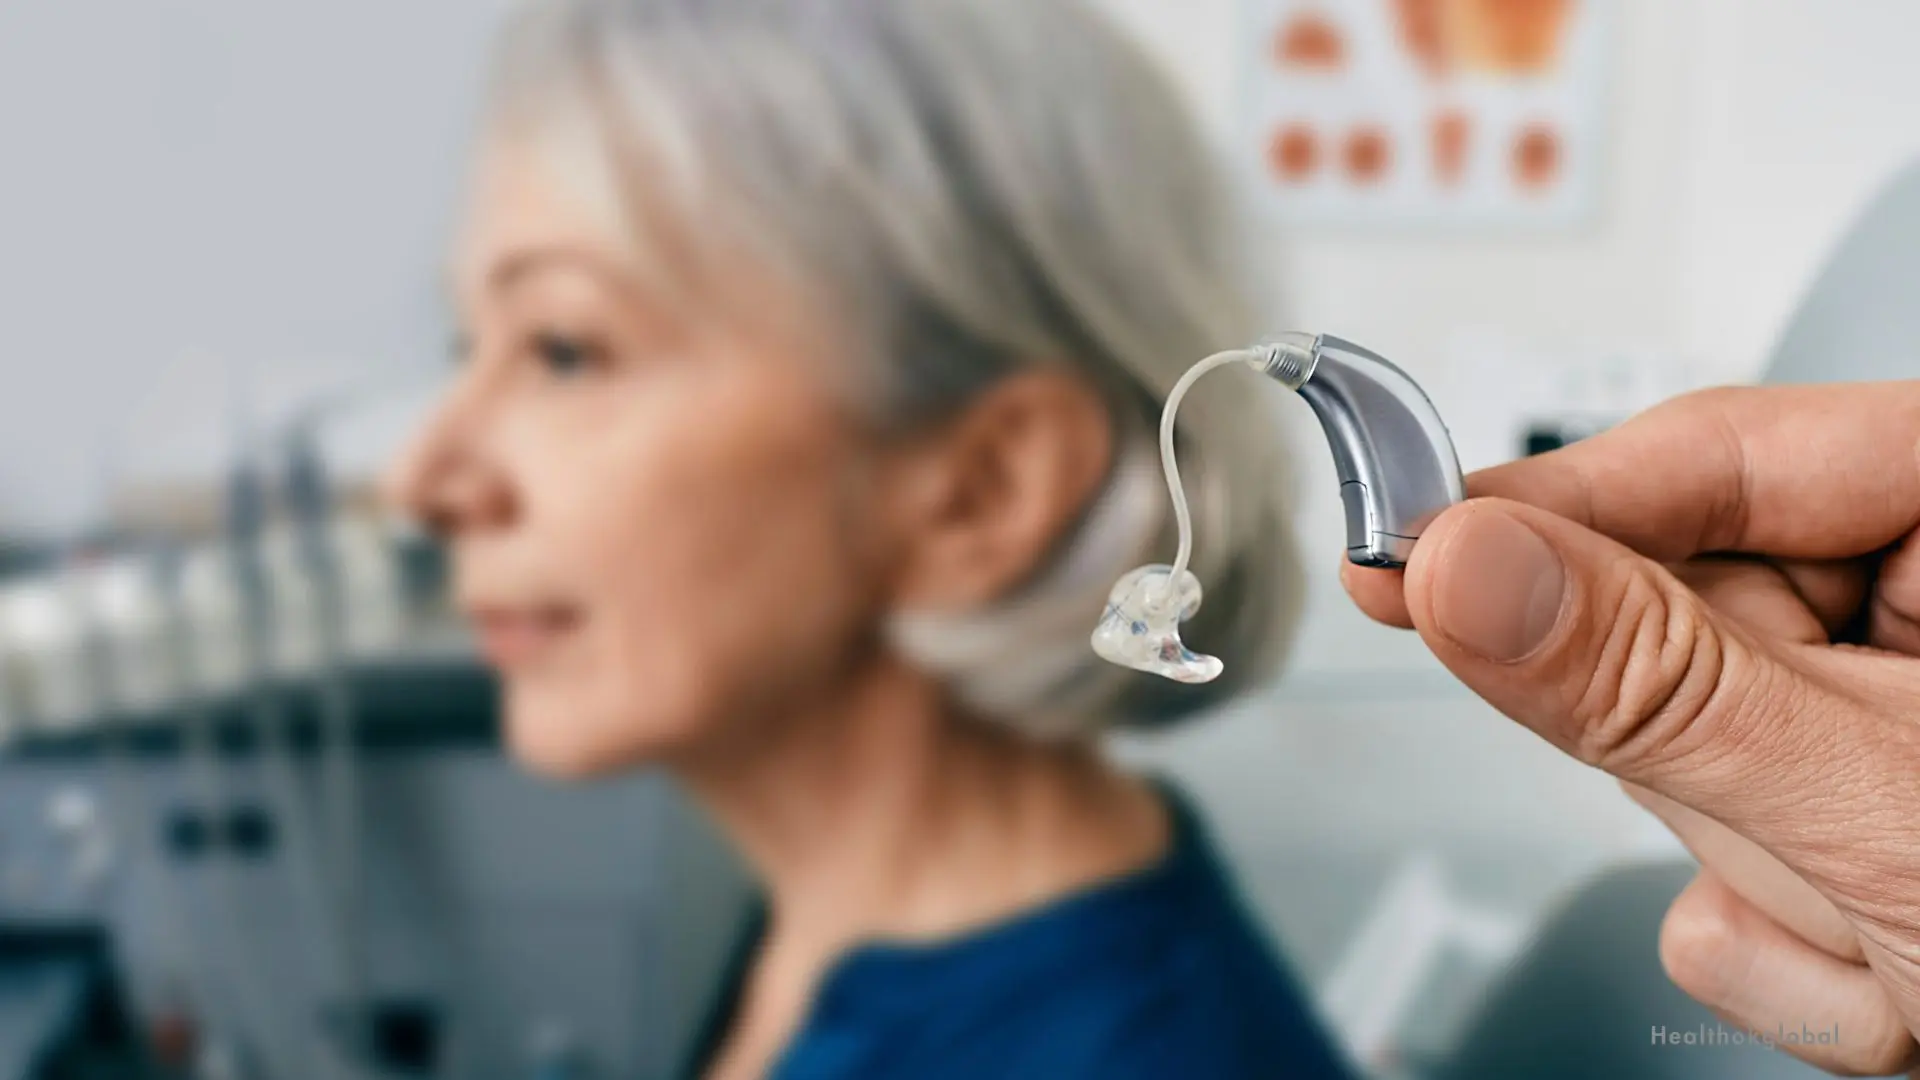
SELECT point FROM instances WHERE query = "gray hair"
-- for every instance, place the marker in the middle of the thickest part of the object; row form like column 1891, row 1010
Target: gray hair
column 976, row 186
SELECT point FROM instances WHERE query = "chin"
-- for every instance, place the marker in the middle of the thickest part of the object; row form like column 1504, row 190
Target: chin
column 569, row 736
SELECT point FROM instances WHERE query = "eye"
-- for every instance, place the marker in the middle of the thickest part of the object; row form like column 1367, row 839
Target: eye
column 565, row 356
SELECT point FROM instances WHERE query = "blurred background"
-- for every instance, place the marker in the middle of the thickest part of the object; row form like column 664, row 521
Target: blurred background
column 222, row 227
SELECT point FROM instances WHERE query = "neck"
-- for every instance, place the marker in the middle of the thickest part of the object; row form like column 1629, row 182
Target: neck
column 889, row 814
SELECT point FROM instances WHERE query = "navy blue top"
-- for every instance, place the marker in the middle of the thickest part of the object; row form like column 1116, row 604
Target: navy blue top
column 1161, row 973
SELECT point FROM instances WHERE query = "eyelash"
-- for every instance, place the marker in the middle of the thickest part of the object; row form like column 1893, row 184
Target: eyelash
column 562, row 355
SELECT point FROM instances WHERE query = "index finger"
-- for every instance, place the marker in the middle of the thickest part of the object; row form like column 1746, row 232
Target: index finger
column 1810, row 472
column 1825, row 471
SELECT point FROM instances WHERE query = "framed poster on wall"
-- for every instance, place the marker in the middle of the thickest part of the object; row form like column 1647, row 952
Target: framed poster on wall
column 1397, row 112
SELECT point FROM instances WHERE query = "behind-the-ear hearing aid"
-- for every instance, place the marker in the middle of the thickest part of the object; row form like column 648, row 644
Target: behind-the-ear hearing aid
column 1393, row 455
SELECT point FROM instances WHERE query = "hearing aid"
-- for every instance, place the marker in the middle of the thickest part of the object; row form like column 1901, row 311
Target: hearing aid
column 1392, row 454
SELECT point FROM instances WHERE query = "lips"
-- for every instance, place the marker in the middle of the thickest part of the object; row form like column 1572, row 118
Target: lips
column 517, row 637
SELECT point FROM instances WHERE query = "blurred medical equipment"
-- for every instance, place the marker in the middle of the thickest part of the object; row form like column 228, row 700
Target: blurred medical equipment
column 1550, row 396
column 1391, row 451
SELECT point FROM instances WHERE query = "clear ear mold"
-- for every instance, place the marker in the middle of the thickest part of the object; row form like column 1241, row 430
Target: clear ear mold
column 1140, row 628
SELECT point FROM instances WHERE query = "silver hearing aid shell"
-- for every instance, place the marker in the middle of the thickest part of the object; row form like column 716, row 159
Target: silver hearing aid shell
column 1396, row 461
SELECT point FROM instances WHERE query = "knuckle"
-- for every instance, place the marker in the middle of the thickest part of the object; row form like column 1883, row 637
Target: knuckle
column 1716, row 418
column 1659, row 666
column 1700, row 946
column 1713, row 399
column 1884, row 1049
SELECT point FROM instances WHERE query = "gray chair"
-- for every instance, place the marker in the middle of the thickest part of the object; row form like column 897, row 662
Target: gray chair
column 1583, row 1001
column 1586, row 1000
column 1860, row 319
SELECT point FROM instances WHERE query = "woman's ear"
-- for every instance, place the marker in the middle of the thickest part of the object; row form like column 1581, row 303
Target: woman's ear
column 991, row 496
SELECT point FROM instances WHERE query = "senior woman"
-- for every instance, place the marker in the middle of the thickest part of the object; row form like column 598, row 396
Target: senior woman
column 813, row 357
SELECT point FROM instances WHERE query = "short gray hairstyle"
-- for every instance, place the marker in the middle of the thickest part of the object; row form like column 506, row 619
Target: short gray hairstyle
column 976, row 186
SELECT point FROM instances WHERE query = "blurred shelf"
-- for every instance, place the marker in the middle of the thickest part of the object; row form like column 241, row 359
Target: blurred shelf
column 424, row 701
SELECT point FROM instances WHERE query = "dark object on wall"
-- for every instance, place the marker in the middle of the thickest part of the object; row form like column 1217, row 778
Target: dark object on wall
column 1544, row 436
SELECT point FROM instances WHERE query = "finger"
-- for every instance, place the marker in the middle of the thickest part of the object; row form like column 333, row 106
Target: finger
column 1893, row 621
column 1379, row 594
column 1609, row 657
column 1835, row 590
column 1801, row 599
column 1757, row 877
column 1814, row 472
column 1728, row 470
column 1733, row 959
column 1755, row 592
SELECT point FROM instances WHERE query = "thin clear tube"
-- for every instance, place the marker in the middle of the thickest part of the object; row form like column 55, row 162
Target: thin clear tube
column 1182, row 516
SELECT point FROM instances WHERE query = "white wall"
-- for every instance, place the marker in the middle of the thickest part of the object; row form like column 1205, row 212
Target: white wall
column 1414, row 296
column 1803, row 109
column 1744, row 135
column 191, row 184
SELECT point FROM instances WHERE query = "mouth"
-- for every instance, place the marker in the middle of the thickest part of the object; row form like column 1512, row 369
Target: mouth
column 515, row 637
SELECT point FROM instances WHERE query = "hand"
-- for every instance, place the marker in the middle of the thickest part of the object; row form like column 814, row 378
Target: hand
column 1718, row 602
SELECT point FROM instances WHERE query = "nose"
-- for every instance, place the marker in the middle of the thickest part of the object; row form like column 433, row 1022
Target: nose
column 447, row 481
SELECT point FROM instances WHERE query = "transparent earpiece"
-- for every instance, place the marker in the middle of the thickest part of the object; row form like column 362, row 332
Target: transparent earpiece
column 1140, row 627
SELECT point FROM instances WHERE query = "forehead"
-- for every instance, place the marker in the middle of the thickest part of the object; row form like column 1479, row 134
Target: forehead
column 662, row 245
column 525, row 196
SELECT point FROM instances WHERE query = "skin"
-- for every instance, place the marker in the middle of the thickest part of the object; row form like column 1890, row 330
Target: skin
column 1719, row 603
column 678, row 546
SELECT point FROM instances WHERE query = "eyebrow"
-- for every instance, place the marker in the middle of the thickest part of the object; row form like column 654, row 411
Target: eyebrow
column 636, row 297
column 520, row 263
column 504, row 273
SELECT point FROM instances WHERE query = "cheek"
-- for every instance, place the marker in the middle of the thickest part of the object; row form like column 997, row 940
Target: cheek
column 716, row 554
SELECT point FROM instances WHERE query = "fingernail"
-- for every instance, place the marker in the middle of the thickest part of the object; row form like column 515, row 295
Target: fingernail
column 1499, row 594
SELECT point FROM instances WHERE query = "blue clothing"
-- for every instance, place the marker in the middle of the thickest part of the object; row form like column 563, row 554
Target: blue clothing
column 1161, row 973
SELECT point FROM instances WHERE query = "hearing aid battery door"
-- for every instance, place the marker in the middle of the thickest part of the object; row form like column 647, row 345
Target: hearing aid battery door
column 1366, row 544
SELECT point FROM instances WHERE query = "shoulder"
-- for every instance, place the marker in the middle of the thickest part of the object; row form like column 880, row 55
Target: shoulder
column 1207, row 1023
column 1162, row 974
column 1185, row 993
column 1212, row 995
column 1197, row 991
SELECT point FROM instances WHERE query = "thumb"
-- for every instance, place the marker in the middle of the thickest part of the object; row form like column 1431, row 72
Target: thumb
column 1608, row 656
column 1807, row 750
